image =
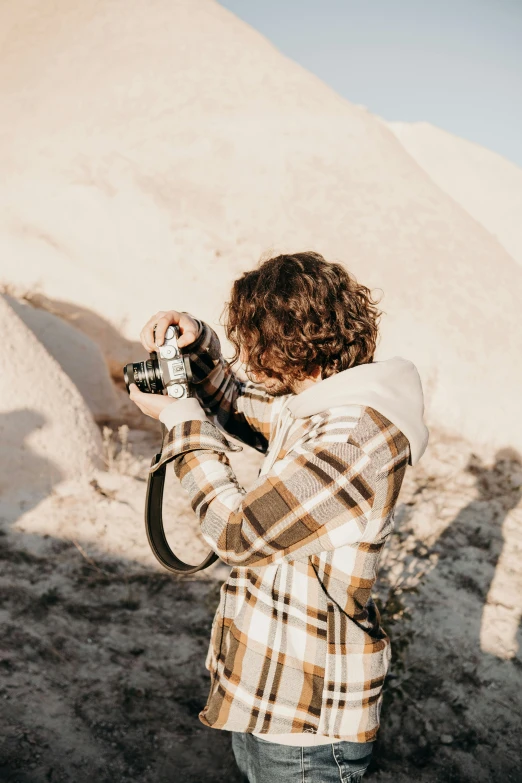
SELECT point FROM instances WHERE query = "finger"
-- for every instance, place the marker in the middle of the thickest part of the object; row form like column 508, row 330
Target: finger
column 170, row 317
column 147, row 333
column 188, row 337
column 134, row 392
column 189, row 330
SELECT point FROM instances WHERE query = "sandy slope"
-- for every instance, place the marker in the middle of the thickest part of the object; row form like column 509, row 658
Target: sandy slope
column 143, row 170
column 487, row 185
column 79, row 357
column 48, row 432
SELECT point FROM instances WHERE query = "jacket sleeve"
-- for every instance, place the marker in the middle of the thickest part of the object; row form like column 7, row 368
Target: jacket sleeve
column 241, row 408
column 312, row 500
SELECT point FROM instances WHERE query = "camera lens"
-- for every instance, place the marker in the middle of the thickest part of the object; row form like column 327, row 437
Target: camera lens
column 146, row 375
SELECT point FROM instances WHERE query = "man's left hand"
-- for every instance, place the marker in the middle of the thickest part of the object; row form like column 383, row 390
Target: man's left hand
column 149, row 404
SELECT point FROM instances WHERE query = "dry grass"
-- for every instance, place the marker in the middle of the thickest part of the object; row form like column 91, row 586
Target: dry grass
column 117, row 451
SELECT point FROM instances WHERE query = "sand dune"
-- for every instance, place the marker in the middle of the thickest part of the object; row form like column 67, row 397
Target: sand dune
column 79, row 357
column 150, row 153
column 48, row 432
column 487, row 185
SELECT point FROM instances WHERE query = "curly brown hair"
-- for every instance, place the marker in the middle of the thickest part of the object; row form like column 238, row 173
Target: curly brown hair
column 294, row 313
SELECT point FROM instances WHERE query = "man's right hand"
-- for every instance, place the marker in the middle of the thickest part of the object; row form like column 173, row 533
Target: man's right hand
column 188, row 327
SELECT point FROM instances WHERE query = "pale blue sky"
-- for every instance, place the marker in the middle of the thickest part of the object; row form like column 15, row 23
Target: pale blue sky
column 454, row 63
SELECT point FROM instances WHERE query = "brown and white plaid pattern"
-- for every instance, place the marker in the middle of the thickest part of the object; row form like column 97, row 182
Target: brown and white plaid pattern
column 296, row 643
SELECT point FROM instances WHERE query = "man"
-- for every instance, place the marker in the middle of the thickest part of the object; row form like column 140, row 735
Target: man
column 297, row 656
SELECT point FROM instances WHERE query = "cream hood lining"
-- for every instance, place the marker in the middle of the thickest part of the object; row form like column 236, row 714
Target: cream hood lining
column 392, row 387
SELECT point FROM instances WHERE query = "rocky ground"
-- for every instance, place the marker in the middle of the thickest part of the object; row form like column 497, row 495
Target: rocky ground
column 102, row 652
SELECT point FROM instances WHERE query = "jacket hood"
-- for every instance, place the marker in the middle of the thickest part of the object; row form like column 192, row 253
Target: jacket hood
column 392, row 387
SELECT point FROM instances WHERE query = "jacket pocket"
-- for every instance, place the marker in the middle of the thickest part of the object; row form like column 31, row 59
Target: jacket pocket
column 355, row 667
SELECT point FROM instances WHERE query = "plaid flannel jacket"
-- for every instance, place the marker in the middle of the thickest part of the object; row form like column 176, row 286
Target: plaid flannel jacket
column 296, row 642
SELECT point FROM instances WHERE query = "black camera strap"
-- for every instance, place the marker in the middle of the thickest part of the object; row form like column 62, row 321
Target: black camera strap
column 154, row 525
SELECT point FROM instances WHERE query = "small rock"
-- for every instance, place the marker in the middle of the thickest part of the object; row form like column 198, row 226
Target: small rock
column 446, row 739
column 516, row 480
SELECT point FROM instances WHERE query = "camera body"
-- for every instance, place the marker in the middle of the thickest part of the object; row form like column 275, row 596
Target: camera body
column 166, row 372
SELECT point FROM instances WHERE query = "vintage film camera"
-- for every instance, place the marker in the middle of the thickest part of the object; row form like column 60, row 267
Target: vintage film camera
column 167, row 369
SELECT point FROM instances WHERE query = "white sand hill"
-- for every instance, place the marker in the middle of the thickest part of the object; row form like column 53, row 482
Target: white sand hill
column 79, row 357
column 48, row 432
column 151, row 152
column 487, row 185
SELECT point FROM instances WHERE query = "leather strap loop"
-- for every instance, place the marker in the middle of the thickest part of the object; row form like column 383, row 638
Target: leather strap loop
column 155, row 530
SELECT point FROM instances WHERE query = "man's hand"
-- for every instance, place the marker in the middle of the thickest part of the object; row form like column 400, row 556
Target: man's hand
column 188, row 328
column 149, row 404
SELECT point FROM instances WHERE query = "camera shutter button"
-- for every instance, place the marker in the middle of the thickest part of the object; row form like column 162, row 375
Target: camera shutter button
column 169, row 333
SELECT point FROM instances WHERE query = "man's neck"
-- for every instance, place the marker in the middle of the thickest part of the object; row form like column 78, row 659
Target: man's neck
column 302, row 385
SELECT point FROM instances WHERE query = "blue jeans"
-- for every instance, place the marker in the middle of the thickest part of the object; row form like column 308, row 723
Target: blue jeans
column 268, row 762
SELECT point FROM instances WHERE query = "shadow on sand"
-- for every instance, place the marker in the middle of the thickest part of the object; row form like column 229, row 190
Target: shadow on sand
column 452, row 706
